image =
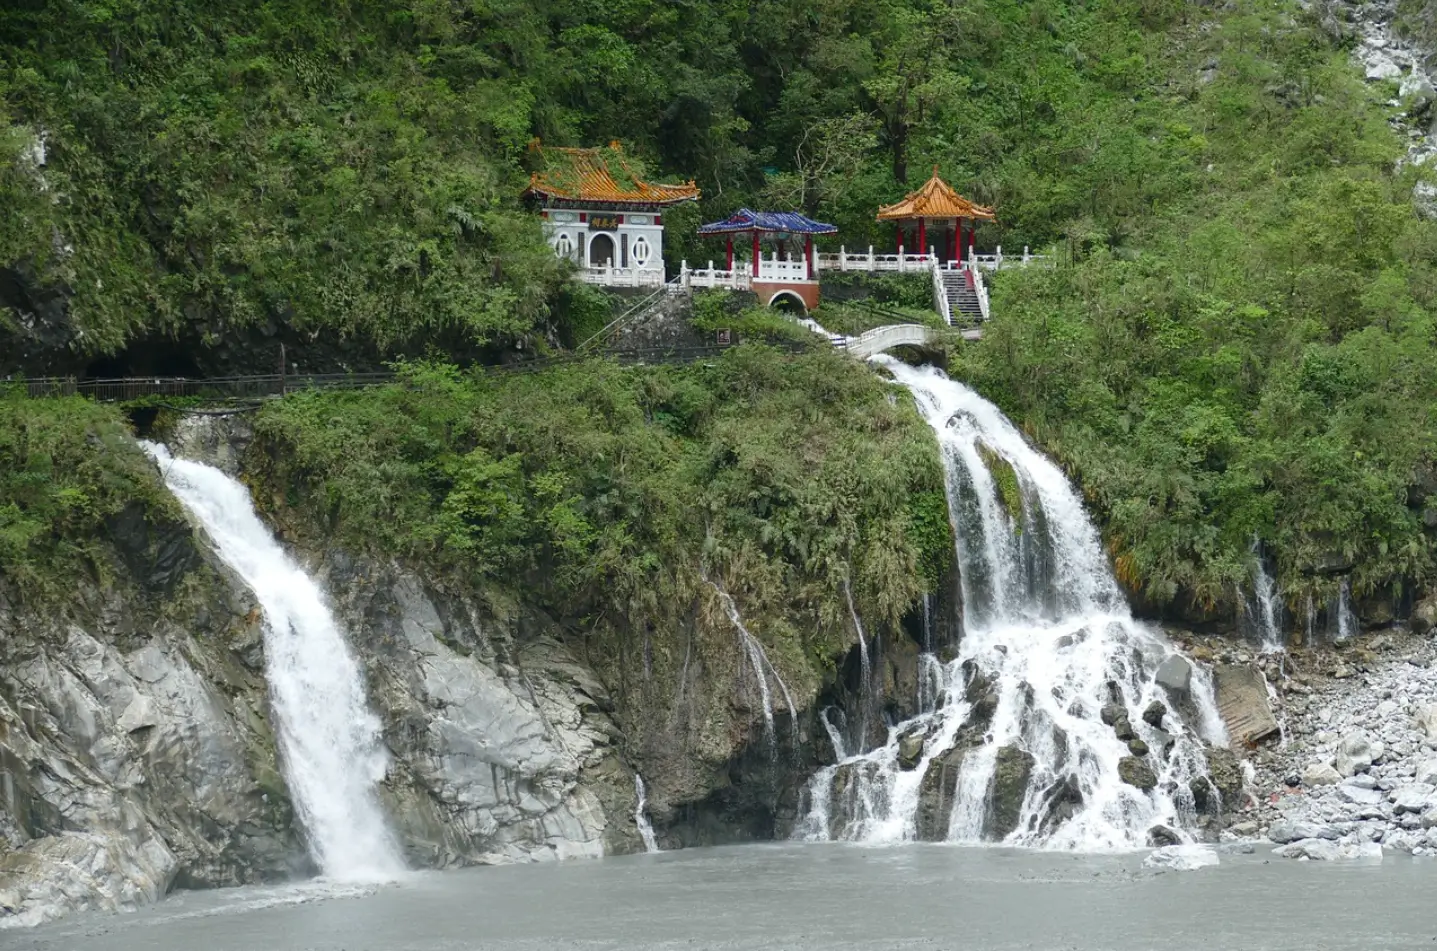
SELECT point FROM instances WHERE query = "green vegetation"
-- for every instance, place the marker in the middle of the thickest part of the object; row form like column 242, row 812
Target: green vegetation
column 1250, row 354
column 1237, row 343
column 721, row 310
column 67, row 466
column 599, row 492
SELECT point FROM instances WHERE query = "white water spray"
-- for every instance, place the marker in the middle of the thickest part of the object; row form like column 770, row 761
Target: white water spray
column 1049, row 642
column 1267, row 617
column 759, row 662
column 329, row 740
column 1344, row 621
column 641, row 816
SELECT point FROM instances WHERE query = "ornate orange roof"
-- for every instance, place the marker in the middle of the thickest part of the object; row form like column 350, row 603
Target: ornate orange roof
column 936, row 199
column 602, row 175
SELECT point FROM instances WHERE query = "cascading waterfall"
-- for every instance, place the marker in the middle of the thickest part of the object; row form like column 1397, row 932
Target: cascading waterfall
column 328, row 737
column 1049, row 653
column 641, row 815
column 1266, row 609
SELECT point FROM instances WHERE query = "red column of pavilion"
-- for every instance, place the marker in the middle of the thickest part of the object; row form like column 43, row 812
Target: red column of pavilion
column 755, row 252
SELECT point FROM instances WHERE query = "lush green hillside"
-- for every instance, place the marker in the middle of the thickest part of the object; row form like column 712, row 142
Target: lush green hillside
column 600, row 492
column 352, row 170
column 1237, row 344
column 1256, row 359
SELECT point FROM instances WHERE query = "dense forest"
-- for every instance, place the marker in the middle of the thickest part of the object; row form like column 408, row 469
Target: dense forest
column 1236, row 346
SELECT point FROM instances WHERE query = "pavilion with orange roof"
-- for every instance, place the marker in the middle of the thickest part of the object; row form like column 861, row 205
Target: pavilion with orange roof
column 601, row 215
column 933, row 217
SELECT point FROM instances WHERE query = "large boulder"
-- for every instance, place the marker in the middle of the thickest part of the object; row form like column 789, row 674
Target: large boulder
column 1320, row 774
column 1154, row 713
column 1424, row 614
column 1175, row 674
column 1136, row 772
column 1426, row 719
column 1011, row 773
column 1291, row 830
column 1354, row 754
column 1416, row 798
column 910, row 749
column 935, row 795
column 1225, row 773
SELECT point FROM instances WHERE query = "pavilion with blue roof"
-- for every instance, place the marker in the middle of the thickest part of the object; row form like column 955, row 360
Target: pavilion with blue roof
column 780, row 275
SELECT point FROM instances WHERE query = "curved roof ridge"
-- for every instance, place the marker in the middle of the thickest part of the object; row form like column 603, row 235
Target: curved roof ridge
column 588, row 174
column 935, row 199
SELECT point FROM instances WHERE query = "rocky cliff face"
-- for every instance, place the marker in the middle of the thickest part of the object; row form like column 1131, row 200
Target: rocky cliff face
column 137, row 755
column 135, row 751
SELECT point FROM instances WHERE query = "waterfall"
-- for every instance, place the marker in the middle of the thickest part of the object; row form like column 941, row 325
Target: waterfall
column 1266, row 609
column 867, row 696
column 641, row 816
column 1020, row 745
column 758, row 661
column 1344, row 621
column 328, row 738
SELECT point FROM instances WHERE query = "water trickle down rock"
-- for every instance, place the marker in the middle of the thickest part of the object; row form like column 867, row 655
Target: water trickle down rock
column 1017, row 749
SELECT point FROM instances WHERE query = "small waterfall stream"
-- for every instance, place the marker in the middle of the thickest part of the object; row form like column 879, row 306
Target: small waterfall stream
column 328, row 737
column 641, row 815
column 1265, row 608
column 1049, row 661
column 759, row 662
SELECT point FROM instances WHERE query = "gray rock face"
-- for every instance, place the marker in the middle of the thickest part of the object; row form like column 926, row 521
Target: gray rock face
column 1175, row 674
column 1320, row 774
column 1010, row 784
column 1354, row 754
column 492, row 735
column 1288, row 830
column 1136, row 772
column 132, row 768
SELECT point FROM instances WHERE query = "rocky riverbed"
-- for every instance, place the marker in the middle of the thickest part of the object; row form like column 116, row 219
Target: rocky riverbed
column 1355, row 768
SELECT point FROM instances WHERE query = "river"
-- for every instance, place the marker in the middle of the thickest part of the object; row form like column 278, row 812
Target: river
column 810, row 897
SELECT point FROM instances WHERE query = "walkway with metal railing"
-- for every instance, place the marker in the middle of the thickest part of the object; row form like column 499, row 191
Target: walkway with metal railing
column 253, row 389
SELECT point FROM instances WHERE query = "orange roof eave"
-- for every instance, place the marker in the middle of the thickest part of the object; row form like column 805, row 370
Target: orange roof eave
column 936, row 199
column 594, row 182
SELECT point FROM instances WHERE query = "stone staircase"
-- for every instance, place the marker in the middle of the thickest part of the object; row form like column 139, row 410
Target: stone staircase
column 962, row 296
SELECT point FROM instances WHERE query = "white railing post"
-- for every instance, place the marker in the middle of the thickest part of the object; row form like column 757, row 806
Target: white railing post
column 1026, row 255
column 900, row 259
column 842, row 258
column 998, row 260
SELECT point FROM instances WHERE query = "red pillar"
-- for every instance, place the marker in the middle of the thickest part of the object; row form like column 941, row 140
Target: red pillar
column 755, row 252
column 808, row 253
column 728, row 266
column 922, row 235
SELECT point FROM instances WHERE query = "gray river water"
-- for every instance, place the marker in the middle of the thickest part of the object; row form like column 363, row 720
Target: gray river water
column 804, row 898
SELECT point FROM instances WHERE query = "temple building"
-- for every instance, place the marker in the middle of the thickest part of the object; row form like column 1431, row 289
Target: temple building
column 599, row 214
column 933, row 218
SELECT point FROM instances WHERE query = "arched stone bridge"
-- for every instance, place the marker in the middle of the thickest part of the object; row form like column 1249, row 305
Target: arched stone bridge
column 887, row 337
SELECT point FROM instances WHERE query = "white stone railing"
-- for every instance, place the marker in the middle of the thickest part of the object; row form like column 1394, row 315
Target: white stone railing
column 940, row 297
column 741, row 277
column 982, row 290
column 902, row 262
column 622, row 276
column 735, row 279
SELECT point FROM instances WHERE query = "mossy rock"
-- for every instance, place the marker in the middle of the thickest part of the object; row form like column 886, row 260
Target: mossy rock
column 1005, row 478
